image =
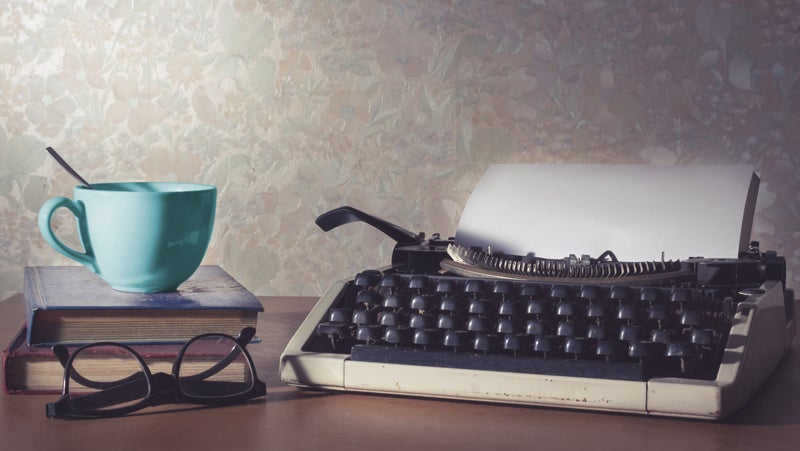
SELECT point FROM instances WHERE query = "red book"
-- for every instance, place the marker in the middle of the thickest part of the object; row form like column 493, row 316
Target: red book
column 35, row 369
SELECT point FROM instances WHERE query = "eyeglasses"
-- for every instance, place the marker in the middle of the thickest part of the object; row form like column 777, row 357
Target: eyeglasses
column 211, row 369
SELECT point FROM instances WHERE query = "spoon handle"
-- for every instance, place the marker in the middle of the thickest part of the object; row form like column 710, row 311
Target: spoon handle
column 69, row 169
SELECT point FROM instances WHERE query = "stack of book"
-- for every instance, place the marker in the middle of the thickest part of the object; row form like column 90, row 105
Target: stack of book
column 70, row 305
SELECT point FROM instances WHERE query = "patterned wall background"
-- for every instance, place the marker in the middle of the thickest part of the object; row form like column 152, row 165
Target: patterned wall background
column 294, row 107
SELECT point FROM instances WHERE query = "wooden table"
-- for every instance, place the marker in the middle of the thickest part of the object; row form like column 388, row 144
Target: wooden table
column 290, row 418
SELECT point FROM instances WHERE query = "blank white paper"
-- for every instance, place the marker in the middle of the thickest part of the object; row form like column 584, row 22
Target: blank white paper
column 636, row 211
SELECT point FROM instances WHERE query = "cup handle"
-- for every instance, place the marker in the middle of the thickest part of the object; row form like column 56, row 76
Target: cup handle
column 45, row 215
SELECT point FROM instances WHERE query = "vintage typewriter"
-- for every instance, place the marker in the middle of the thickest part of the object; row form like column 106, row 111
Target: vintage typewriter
column 690, row 338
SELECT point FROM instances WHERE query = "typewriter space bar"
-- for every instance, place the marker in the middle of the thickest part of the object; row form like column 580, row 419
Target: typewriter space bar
column 554, row 366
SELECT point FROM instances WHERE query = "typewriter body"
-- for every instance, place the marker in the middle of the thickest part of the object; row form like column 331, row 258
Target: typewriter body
column 690, row 338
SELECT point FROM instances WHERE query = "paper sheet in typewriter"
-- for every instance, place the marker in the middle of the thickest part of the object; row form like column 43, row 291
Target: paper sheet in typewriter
column 639, row 212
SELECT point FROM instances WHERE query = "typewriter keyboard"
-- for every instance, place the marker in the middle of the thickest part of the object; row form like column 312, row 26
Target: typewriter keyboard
column 600, row 331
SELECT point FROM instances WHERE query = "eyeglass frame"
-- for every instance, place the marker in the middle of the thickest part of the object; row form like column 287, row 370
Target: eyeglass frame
column 162, row 388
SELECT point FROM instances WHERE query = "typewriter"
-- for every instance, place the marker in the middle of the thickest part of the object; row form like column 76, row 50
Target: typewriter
column 687, row 338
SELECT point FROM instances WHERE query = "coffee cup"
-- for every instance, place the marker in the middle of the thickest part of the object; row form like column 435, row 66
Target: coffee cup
column 142, row 237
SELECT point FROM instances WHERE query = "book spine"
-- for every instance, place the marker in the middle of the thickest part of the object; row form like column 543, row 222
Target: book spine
column 33, row 298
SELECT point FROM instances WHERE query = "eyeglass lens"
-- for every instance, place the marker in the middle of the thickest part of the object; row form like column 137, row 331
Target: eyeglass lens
column 112, row 382
column 214, row 367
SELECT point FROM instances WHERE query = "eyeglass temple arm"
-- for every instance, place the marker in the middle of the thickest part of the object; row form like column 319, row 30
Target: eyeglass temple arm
column 162, row 386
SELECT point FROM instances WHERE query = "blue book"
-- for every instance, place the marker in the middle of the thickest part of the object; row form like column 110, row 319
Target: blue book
column 71, row 305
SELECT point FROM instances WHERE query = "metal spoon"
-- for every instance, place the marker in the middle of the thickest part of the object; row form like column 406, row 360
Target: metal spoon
column 69, row 169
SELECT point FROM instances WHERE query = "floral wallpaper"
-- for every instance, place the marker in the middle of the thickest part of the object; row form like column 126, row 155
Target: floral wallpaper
column 396, row 107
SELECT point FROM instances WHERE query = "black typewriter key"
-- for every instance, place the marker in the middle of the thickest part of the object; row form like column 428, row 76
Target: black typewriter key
column 340, row 315
column 568, row 308
column 368, row 333
column 503, row 287
column 370, row 298
column 530, row 289
column 559, row 292
column 659, row 312
column 628, row 312
column 445, row 286
column 423, row 302
column 474, row 286
column 480, row 307
column 484, row 342
column 419, row 283
column 515, row 342
column 363, row 317
column 576, row 346
column 609, row 349
column 702, row 337
column 427, row 337
column 641, row 350
column 508, row 307
column 545, row 344
column 619, row 293
column 332, row 329
column 680, row 295
column 568, row 329
column 537, row 307
column 590, row 292
column 389, row 318
column 535, row 327
column 650, row 294
column 599, row 332
column 456, row 339
column 392, row 281
column 683, row 349
column 448, row 321
column 421, row 321
column 397, row 335
column 478, row 324
column 449, row 304
column 505, row 326
column 630, row 333
column 367, row 278
column 661, row 336
column 692, row 318
column 395, row 302
column 597, row 310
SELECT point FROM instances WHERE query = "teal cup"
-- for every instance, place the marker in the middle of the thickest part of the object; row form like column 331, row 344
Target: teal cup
column 141, row 237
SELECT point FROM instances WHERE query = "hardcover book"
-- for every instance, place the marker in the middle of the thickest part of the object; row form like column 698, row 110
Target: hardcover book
column 72, row 305
column 36, row 370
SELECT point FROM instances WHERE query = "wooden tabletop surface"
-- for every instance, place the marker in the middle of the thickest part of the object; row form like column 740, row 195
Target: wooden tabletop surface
column 290, row 418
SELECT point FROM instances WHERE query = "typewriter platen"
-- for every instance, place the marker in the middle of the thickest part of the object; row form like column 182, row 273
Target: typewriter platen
column 692, row 338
